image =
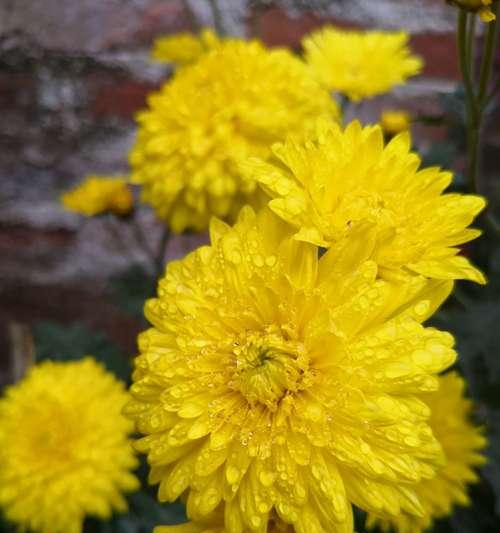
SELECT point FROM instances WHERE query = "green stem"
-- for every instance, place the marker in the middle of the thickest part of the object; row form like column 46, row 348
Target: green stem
column 487, row 62
column 493, row 92
column 216, row 12
column 475, row 104
column 464, row 65
column 471, row 40
column 162, row 248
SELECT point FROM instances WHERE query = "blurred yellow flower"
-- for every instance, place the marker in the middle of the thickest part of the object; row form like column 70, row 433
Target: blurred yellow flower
column 64, row 447
column 232, row 103
column 99, row 194
column 461, row 442
column 483, row 7
column 328, row 183
column 395, row 121
column 184, row 48
column 360, row 64
column 276, row 382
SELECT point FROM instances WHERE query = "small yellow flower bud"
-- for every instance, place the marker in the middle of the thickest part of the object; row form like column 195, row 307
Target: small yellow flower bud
column 394, row 121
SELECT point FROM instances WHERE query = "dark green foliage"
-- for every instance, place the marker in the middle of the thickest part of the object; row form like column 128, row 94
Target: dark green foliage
column 131, row 289
column 71, row 342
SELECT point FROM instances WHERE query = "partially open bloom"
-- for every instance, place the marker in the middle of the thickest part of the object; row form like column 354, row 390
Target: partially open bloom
column 394, row 121
column 360, row 64
column 99, row 194
column 273, row 381
column 461, row 441
column 184, row 48
column 483, row 7
column 231, row 104
column 327, row 183
column 64, row 447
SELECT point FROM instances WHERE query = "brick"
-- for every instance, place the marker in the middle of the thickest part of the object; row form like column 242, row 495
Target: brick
column 121, row 99
column 440, row 54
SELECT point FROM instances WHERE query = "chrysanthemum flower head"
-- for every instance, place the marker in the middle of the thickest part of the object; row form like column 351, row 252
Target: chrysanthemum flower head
column 483, row 7
column 273, row 381
column 64, row 447
column 184, row 48
column 231, row 104
column 215, row 524
column 461, row 441
column 327, row 183
column 100, row 194
column 394, row 121
column 360, row 64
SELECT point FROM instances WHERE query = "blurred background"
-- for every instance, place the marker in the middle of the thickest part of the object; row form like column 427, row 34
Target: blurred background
column 72, row 75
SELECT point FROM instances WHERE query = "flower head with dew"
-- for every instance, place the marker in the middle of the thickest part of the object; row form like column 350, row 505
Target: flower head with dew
column 327, row 183
column 100, row 194
column 394, row 121
column 276, row 382
column 461, row 441
column 360, row 64
column 231, row 104
column 215, row 524
column 483, row 7
column 64, row 447
column 184, row 48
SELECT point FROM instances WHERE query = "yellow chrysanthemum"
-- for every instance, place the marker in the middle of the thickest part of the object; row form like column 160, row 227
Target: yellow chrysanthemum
column 327, row 183
column 461, row 442
column 360, row 64
column 483, row 7
column 232, row 103
column 99, row 194
column 215, row 524
column 277, row 382
column 395, row 121
column 64, row 447
column 184, row 48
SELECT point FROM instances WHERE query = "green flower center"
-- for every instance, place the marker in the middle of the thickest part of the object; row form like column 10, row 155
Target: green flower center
column 268, row 367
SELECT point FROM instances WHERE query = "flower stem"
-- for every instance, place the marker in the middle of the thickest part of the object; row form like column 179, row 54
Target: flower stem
column 162, row 248
column 475, row 102
column 217, row 15
column 141, row 239
column 193, row 22
column 463, row 53
column 487, row 62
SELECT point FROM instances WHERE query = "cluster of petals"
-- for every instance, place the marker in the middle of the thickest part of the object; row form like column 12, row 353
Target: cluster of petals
column 327, row 183
column 360, row 64
column 60, row 458
column 462, row 442
column 232, row 103
column 278, row 383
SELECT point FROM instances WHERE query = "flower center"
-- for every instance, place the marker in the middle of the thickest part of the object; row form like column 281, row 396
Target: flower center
column 268, row 367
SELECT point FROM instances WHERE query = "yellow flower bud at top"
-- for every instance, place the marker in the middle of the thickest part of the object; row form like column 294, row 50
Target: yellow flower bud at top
column 477, row 6
column 394, row 121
